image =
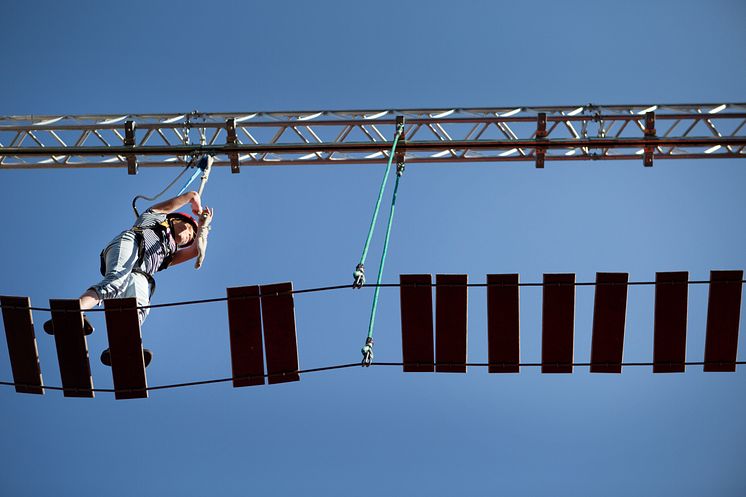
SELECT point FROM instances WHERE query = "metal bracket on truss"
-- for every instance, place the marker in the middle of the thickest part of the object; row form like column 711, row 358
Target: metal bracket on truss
column 647, row 159
column 230, row 126
column 129, row 141
column 541, row 134
column 401, row 146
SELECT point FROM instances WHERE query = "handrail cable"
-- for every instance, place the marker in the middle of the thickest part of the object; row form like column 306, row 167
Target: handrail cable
column 385, row 285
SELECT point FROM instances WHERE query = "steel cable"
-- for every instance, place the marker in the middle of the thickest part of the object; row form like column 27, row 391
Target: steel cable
column 348, row 366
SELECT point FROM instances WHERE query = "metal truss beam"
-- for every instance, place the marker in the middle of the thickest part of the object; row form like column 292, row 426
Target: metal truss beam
column 529, row 134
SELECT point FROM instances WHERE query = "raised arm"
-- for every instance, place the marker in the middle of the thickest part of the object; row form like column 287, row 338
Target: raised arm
column 176, row 203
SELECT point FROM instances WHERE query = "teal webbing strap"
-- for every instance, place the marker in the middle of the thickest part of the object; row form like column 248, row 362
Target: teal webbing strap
column 359, row 274
column 367, row 349
column 359, row 271
column 383, row 260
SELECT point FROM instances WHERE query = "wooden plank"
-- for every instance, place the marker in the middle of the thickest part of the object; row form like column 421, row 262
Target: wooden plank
column 450, row 323
column 558, row 323
column 609, row 316
column 245, row 326
column 723, row 316
column 280, row 342
column 125, row 347
column 417, row 322
column 669, row 347
column 22, row 349
column 72, row 348
column 503, row 334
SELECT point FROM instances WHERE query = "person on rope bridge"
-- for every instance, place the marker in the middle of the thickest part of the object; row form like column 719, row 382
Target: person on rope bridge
column 160, row 238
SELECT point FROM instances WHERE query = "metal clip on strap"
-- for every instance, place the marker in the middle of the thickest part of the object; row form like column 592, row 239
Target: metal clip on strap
column 359, row 276
column 367, row 351
column 400, row 165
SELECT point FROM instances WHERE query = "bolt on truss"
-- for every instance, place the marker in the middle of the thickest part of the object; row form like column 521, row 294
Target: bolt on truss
column 530, row 134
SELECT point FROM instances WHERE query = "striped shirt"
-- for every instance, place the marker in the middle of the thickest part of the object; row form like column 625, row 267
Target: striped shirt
column 158, row 244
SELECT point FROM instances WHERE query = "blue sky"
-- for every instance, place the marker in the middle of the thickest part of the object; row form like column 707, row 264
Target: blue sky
column 378, row 431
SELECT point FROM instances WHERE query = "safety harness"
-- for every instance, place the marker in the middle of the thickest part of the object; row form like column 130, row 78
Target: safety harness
column 162, row 232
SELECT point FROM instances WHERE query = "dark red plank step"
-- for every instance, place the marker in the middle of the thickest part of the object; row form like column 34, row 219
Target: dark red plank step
column 72, row 348
column 609, row 316
column 451, row 323
column 558, row 323
column 723, row 317
column 416, row 296
column 503, row 335
column 669, row 347
column 280, row 341
column 24, row 354
column 125, row 347
column 245, row 327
